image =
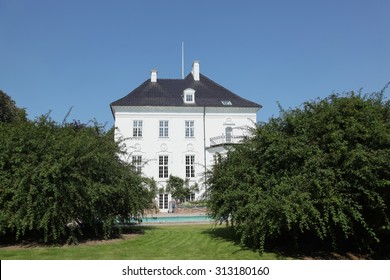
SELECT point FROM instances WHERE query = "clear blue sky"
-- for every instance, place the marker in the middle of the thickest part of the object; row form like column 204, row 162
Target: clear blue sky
column 88, row 53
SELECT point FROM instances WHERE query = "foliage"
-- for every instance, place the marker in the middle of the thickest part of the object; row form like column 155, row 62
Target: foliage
column 195, row 203
column 59, row 181
column 8, row 110
column 180, row 188
column 320, row 171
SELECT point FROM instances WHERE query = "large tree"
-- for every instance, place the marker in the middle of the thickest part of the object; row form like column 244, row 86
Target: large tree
column 321, row 171
column 62, row 180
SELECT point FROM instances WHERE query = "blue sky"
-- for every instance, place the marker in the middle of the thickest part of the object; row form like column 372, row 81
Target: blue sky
column 88, row 53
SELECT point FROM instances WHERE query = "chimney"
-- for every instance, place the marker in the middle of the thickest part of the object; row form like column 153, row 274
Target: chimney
column 153, row 75
column 195, row 70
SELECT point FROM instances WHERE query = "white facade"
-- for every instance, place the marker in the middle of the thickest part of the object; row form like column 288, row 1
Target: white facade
column 179, row 140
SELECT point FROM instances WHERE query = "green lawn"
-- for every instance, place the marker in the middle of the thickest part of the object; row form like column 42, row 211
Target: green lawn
column 182, row 242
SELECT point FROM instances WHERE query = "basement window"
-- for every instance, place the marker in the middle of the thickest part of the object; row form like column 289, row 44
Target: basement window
column 226, row 103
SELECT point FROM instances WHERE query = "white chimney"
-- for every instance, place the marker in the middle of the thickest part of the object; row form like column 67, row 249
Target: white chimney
column 195, row 70
column 153, row 75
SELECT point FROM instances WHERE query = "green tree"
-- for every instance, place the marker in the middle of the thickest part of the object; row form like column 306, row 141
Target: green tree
column 8, row 110
column 60, row 181
column 322, row 170
column 180, row 188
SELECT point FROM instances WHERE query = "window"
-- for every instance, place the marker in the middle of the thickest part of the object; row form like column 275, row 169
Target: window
column 163, row 129
column 163, row 166
column 189, row 129
column 190, row 166
column 163, row 201
column 137, row 128
column 229, row 134
column 137, row 163
column 226, row 103
column 189, row 96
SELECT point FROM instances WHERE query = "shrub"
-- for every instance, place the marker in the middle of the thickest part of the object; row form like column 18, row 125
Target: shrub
column 322, row 170
column 59, row 181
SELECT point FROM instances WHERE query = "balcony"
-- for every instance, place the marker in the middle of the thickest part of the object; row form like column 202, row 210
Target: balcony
column 226, row 140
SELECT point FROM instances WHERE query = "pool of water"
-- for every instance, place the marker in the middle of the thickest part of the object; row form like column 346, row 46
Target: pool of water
column 177, row 219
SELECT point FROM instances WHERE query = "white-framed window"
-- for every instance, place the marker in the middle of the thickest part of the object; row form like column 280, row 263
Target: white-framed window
column 137, row 163
column 189, row 96
column 229, row 134
column 137, row 128
column 190, row 166
column 163, row 167
column 164, row 129
column 163, row 201
column 190, row 129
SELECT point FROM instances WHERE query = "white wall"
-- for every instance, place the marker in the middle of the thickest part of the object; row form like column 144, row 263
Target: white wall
column 176, row 146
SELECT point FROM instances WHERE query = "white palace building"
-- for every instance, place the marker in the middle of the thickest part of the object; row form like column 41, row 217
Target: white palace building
column 175, row 127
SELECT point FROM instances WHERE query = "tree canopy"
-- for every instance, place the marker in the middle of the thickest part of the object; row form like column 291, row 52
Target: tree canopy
column 60, row 181
column 8, row 110
column 320, row 171
column 180, row 188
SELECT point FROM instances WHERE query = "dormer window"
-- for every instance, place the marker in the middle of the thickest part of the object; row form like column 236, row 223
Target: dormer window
column 226, row 103
column 189, row 96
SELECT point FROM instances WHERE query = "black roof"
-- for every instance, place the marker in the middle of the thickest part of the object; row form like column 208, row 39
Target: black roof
column 169, row 92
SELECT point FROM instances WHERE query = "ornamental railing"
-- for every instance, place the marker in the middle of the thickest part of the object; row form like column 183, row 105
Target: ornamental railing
column 225, row 140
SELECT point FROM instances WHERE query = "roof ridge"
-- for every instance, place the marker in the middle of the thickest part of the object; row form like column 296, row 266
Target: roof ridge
column 168, row 79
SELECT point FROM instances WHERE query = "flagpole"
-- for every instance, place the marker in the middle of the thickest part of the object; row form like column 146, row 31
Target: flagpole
column 182, row 60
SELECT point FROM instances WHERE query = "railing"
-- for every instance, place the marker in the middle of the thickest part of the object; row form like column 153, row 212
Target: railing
column 225, row 139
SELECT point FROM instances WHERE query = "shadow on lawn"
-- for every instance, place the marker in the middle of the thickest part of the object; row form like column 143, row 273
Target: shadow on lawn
column 223, row 233
column 34, row 239
column 227, row 234
column 307, row 247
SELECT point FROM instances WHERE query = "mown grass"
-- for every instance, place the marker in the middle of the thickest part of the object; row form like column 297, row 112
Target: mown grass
column 176, row 242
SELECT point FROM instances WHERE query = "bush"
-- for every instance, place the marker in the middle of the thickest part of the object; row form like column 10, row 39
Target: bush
column 322, row 171
column 60, row 181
